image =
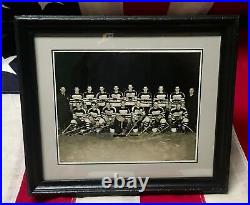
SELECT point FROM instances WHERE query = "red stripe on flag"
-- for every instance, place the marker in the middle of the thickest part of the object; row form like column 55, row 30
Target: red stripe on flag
column 133, row 8
column 228, row 8
column 23, row 196
column 173, row 198
column 241, row 93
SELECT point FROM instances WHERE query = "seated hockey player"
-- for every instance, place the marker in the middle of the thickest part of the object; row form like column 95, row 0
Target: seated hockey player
column 123, row 110
column 101, row 97
column 79, row 111
column 138, row 114
column 116, row 94
column 75, row 98
column 145, row 125
column 157, row 113
column 94, row 112
column 177, row 97
column 120, row 126
column 108, row 113
column 178, row 118
column 130, row 94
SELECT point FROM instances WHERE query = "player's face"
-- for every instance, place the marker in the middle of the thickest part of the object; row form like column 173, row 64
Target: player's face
column 160, row 89
column 77, row 90
column 78, row 106
column 123, row 104
column 145, row 89
column 89, row 89
column 116, row 88
column 177, row 89
column 130, row 87
column 137, row 103
column 108, row 105
column 102, row 89
column 178, row 106
column 155, row 105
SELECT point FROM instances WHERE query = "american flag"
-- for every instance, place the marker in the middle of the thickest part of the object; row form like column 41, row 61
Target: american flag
column 14, row 178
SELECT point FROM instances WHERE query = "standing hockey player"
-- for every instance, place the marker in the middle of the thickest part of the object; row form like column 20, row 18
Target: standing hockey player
column 75, row 98
column 116, row 94
column 130, row 93
column 177, row 97
column 101, row 97
column 145, row 98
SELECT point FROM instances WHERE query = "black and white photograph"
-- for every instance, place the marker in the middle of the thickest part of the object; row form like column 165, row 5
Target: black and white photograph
column 130, row 106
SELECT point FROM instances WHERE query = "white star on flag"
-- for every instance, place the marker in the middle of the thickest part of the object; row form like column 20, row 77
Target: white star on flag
column 6, row 64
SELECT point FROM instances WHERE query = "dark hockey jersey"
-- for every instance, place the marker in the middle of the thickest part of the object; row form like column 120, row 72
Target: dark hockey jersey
column 89, row 95
column 161, row 96
column 102, row 96
column 116, row 95
column 109, row 111
column 156, row 111
column 92, row 111
column 178, row 114
column 177, row 96
column 123, row 111
column 130, row 95
column 145, row 96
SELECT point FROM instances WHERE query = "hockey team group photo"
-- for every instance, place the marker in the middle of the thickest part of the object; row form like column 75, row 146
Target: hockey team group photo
column 117, row 117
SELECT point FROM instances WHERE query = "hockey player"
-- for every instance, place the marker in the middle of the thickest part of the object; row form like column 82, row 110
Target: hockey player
column 162, row 98
column 116, row 94
column 108, row 113
column 94, row 112
column 178, row 118
column 138, row 114
column 89, row 94
column 145, row 94
column 156, row 110
column 145, row 98
column 76, row 98
column 157, row 114
column 79, row 111
column 177, row 97
column 102, row 97
column 123, row 110
column 161, row 95
column 130, row 93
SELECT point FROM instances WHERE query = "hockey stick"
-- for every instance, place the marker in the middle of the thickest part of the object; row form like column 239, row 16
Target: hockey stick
column 66, row 128
column 74, row 130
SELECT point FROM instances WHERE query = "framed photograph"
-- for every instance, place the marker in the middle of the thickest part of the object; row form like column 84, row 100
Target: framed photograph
column 127, row 105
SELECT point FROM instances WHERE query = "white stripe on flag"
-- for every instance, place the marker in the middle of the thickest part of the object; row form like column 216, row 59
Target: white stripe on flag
column 109, row 199
column 12, row 154
column 106, row 8
column 189, row 8
column 238, row 178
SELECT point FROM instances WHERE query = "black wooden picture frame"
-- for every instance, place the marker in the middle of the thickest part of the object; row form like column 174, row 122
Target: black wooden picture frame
column 27, row 27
